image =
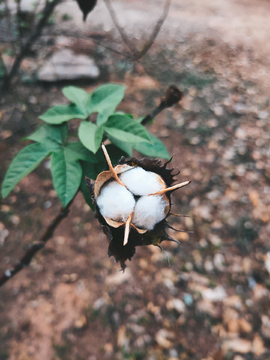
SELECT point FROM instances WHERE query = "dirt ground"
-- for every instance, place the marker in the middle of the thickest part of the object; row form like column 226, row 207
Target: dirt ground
column 213, row 300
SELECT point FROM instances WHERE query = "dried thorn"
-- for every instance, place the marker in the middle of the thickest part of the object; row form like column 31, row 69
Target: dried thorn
column 180, row 230
column 180, row 215
column 176, row 241
column 167, row 162
column 164, row 252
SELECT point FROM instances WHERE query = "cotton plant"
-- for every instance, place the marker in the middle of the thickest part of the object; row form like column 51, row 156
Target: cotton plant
column 132, row 198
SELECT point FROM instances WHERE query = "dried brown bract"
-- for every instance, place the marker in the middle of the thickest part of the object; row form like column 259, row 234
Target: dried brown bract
column 132, row 202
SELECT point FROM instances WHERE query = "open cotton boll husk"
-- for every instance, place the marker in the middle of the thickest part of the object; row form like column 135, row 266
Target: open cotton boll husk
column 132, row 203
column 150, row 210
column 141, row 182
column 115, row 202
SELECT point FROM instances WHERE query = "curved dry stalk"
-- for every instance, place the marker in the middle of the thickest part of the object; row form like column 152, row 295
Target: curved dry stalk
column 107, row 157
column 172, row 188
column 127, row 229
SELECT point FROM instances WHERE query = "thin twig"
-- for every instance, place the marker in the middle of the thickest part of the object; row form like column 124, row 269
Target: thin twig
column 7, row 11
column 135, row 53
column 2, row 63
column 126, row 56
column 120, row 29
column 156, row 30
column 28, row 256
column 47, row 11
column 18, row 22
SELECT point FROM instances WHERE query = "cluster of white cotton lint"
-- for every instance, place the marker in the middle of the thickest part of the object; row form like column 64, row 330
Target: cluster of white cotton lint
column 149, row 211
column 115, row 202
column 141, row 182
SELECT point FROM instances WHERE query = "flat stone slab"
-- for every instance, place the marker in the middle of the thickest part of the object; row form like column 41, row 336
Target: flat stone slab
column 65, row 65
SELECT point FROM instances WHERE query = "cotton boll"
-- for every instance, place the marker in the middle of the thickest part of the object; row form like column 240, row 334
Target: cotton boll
column 141, row 182
column 115, row 202
column 149, row 211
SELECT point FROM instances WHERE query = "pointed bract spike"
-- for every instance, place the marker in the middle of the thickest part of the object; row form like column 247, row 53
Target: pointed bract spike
column 127, row 229
column 180, row 230
column 172, row 188
column 107, row 157
column 176, row 241
column 180, row 215
column 166, row 256
column 168, row 238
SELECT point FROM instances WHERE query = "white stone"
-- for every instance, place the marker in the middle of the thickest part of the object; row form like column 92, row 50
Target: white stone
column 176, row 304
column 119, row 278
column 65, row 65
column 216, row 294
column 219, row 261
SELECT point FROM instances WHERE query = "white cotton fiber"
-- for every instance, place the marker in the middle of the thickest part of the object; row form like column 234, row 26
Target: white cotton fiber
column 149, row 211
column 115, row 202
column 141, row 182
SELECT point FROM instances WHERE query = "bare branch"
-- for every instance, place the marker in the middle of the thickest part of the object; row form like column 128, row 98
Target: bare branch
column 18, row 22
column 46, row 13
column 8, row 16
column 135, row 53
column 120, row 29
column 27, row 257
column 156, row 30
column 2, row 64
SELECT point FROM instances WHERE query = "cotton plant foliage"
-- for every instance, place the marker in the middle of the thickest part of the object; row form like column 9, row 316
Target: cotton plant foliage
column 132, row 202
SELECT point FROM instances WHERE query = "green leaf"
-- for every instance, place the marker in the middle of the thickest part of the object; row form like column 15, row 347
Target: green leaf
column 88, row 170
column 23, row 163
column 51, row 135
column 77, row 96
column 79, row 152
column 125, row 129
column 115, row 154
column 140, row 119
column 61, row 113
column 104, row 101
column 156, row 149
column 90, row 135
column 126, row 147
column 123, row 113
column 66, row 174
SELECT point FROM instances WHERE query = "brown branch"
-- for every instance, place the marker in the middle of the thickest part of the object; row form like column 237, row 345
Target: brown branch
column 8, row 16
column 172, row 97
column 2, row 63
column 124, row 36
column 46, row 13
column 135, row 53
column 156, row 30
column 27, row 257
column 18, row 22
